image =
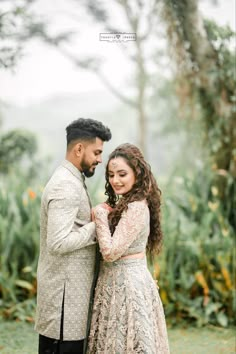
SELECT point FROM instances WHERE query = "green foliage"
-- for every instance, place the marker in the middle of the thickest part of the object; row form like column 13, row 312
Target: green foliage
column 18, row 24
column 206, row 82
column 197, row 265
column 218, row 112
column 218, row 35
column 223, row 97
column 15, row 21
column 16, row 145
column 19, row 243
column 195, row 269
column 19, row 223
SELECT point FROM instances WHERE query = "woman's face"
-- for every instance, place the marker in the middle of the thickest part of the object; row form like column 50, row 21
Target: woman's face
column 121, row 176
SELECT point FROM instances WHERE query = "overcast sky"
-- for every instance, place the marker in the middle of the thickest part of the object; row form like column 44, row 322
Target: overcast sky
column 44, row 72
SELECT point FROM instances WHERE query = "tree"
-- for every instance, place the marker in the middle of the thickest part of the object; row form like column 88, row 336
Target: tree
column 206, row 80
column 15, row 146
column 139, row 18
column 18, row 25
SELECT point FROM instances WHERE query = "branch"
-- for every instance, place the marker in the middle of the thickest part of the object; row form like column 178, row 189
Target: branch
column 93, row 65
column 115, row 91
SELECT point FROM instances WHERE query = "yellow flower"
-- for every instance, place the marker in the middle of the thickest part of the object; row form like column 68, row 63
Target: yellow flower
column 213, row 206
column 222, row 172
column 214, row 191
column 31, row 193
column 226, row 277
column 25, row 201
column 225, row 232
column 202, row 282
column 193, row 203
column 164, row 296
column 156, row 270
column 214, row 166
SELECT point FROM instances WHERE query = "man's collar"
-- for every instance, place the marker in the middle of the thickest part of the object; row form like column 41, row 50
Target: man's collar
column 74, row 170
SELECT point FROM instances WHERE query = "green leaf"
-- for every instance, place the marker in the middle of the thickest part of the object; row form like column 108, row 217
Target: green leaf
column 222, row 319
column 27, row 269
column 24, row 284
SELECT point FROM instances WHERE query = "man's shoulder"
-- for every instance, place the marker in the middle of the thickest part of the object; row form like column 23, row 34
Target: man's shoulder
column 63, row 181
column 62, row 173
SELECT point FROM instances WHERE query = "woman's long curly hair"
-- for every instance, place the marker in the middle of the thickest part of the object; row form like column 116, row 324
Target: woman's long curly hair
column 145, row 187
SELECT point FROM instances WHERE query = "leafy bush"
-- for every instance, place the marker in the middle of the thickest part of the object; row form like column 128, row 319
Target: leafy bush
column 19, row 240
column 194, row 270
column 16, row 146
column 196, row 267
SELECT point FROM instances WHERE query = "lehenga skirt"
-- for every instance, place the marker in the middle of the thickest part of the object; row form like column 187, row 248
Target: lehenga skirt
column 128, row 316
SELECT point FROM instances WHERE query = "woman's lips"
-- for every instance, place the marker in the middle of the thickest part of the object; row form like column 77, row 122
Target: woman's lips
column 117, row 187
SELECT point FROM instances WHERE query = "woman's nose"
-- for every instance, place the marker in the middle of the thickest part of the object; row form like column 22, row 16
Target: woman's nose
column 115, row 179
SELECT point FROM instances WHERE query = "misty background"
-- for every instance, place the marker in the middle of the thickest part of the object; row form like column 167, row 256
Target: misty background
column 46, row 91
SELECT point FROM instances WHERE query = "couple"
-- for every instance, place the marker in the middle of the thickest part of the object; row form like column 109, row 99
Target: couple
column 125, row 315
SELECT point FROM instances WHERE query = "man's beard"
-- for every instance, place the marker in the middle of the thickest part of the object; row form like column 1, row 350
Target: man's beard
column 88, row 173
column 86, row 169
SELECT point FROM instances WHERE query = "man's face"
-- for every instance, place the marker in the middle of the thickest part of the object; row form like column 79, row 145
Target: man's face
column 92, row 156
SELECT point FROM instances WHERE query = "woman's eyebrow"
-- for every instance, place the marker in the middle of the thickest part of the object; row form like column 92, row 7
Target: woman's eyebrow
column 117, row 171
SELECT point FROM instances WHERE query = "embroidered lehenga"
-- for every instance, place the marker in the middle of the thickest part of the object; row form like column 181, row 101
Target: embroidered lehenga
column 128, row 316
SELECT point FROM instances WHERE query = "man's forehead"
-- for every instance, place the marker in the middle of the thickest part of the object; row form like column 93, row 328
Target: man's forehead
column 97, row 144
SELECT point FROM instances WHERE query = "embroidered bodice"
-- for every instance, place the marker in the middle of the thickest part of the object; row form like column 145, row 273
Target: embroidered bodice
column 130, row 235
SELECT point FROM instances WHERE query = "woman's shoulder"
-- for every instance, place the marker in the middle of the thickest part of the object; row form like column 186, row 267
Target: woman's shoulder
column 138, row 205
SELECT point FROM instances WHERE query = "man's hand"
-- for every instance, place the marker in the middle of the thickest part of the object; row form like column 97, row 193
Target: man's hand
column 92, row 214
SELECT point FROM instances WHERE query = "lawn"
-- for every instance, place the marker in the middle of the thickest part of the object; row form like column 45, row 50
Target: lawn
column 20, row 338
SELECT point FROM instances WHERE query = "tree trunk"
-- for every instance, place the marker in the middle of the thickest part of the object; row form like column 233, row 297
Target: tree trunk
column 142, row 118
column 199, row 66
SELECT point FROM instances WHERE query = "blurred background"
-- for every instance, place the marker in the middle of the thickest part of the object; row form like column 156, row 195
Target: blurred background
column 171, row 91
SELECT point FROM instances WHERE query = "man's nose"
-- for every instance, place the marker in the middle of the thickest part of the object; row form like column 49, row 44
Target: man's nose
column 99, row 159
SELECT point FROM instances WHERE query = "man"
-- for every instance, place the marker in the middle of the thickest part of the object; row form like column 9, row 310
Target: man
column 67, row 243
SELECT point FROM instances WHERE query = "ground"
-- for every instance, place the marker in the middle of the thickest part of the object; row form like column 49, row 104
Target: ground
column 20, row 338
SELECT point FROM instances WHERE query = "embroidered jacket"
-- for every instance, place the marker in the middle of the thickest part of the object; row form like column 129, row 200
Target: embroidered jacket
column 67, row 255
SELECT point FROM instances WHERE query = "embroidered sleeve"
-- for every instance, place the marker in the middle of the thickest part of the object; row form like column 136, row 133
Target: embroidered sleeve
column 129, row 227
column 64, row 234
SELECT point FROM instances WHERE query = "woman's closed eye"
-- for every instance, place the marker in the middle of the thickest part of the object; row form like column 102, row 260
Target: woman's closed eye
column 119, row 175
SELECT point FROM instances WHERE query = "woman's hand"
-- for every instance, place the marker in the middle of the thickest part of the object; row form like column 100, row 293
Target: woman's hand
column 97, row 207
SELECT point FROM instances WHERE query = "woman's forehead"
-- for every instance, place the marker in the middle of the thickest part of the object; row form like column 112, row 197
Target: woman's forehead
column 118, row 163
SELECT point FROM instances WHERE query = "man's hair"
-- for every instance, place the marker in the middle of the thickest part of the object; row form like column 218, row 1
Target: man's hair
column 86, row 129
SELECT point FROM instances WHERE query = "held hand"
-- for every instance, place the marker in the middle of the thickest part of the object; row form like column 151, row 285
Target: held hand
column 92, row 214
column 100, row 208
column 104, row 206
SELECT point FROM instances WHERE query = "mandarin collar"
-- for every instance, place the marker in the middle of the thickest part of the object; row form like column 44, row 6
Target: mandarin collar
column 74, row 170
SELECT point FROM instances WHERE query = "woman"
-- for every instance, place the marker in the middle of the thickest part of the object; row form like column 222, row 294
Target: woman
column 128, row 315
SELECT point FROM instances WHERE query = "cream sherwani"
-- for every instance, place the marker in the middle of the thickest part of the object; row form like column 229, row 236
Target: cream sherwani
column 67, row 255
